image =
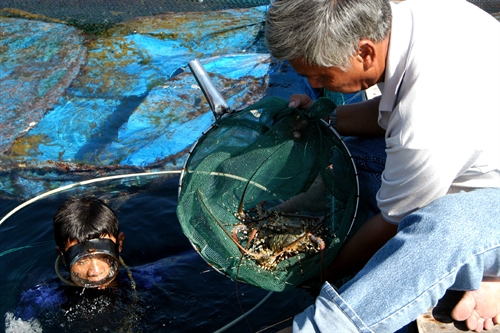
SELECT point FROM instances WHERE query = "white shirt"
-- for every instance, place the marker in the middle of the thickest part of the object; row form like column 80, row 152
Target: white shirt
column 440, row 104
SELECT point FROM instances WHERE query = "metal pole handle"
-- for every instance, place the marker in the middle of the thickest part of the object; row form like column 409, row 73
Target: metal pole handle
column 217, row 102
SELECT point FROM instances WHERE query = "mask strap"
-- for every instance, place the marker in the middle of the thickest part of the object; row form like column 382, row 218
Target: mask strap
column 129, row 273
column 63, row 279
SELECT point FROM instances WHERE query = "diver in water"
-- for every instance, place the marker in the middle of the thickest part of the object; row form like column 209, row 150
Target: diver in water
column 86, row 232
column 88, row 240
column 101, row 294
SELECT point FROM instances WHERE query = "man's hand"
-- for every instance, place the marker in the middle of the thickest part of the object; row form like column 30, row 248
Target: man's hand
column 359, row 119
column 300, row 101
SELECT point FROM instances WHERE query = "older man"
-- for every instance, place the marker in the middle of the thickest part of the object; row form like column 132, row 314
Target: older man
column 438, row 228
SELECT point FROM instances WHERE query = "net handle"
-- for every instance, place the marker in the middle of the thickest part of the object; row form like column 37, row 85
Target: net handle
column 217, row 103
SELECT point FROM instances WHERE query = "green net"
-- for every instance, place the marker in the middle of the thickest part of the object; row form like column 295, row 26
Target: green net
column 268, row 194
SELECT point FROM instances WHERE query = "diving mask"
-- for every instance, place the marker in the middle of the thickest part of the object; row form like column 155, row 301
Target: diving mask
column 93, row 263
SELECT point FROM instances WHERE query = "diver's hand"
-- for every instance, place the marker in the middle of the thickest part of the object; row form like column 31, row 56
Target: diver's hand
column 300, row 101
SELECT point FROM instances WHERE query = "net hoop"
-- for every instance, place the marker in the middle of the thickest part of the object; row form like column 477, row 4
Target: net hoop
column 186, row 170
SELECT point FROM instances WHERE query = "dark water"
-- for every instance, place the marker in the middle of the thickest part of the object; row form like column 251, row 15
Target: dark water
column 176, row 290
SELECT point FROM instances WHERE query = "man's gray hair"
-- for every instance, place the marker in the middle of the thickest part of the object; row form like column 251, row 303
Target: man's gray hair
column 325, row 32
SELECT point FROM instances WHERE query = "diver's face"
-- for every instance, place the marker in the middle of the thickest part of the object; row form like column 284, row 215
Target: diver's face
column 95, row 268
column 92, row 270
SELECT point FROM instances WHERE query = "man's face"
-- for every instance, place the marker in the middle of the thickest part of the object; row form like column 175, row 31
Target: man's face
column 333, row 78
column 94, row 268
column 367, row 68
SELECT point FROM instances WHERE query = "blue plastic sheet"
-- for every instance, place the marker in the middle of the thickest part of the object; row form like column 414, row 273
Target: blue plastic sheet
column 75, row 106
column 123, row 101
column 38, row 61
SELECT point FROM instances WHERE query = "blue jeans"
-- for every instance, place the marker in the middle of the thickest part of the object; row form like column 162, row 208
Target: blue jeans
column 451, row 243
column 369, row 158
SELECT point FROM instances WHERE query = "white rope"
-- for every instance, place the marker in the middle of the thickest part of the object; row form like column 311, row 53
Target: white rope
column 245, row 314
column 84, row 182
column 228, row 175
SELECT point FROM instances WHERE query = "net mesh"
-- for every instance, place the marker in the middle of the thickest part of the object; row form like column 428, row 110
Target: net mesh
column 276, row 171
column 99, row 15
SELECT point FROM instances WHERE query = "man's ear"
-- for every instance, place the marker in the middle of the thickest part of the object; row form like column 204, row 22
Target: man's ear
column 367, row 53
column 120, row 239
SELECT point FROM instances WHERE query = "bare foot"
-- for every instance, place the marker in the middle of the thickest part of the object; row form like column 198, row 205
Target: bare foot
column 480, row 308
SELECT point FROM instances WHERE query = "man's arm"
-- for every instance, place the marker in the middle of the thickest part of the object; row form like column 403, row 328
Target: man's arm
column 359, row 119
column 361, row 247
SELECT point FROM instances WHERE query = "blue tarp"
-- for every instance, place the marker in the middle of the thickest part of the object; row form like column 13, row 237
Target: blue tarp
column 75, row 106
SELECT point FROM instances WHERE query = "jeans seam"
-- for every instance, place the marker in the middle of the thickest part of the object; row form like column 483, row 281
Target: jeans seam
column 343, row 306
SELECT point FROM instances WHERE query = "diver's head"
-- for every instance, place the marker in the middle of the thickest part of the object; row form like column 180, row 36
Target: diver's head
column 88, row 239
